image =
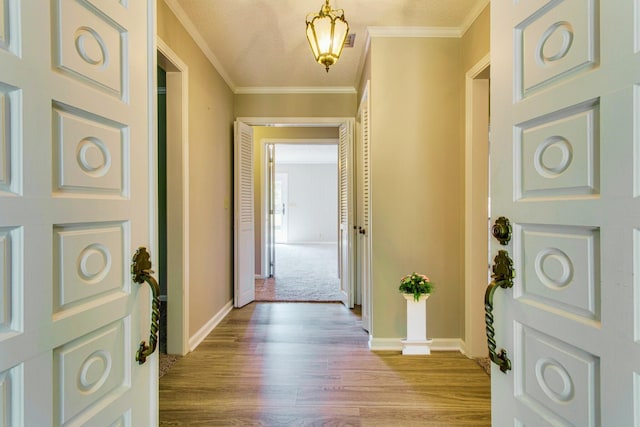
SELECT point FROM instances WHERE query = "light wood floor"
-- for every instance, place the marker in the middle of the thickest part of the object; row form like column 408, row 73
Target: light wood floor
column 306, row 364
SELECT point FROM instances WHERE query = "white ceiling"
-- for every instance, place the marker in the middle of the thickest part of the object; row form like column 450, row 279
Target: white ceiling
column 260, row 45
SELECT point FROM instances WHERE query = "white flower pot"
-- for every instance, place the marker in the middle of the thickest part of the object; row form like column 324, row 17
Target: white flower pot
column 416, row 342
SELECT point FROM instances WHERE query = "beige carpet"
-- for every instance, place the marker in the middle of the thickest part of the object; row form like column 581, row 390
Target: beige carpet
column 304, row 273
column 166, row 362
column 485, row 364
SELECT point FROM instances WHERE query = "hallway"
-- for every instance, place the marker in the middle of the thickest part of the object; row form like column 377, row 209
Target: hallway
column 286, row 364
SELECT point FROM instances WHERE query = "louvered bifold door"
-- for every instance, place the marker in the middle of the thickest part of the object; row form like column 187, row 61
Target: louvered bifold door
column 365, row 177
column 244, row 264
column 346, row 215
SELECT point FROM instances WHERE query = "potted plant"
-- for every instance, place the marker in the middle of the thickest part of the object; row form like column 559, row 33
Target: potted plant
column 416, row 289
column 416, row 284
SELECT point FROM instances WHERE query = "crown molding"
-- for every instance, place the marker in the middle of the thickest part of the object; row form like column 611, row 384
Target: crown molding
column 444, row 32
column 294, row 90
column 473, row 15
column 188, row 25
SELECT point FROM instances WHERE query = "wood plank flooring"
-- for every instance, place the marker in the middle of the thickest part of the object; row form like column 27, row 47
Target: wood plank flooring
column 308, row 364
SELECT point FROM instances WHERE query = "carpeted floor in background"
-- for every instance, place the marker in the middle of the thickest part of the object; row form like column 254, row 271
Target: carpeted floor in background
column 303, row 273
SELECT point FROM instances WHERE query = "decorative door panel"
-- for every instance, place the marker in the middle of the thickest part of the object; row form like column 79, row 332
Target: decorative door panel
column 9, row 134
column 91, row 263
column 91, row 153
column 555, row 379
column 90, row 371
column 9, row 24
column 11, row 274
column 90, row 46
column 11, row 396
column 558, row 40
column 564, row 170
column 557, row 155
column 559, row 269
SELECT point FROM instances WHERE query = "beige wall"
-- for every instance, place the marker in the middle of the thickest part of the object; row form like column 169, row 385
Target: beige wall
column 475, row 42
column 295, row 105
column 416, row 182
column 210, row 178
column 290, row 134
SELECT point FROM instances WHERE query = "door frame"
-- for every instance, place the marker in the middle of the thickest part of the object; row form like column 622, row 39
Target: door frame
column 178, row 197
column 264, row 202
column 476, row 238
column 337, row 122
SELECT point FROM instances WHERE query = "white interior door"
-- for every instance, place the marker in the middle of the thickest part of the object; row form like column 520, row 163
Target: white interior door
column 364, row 211
column 74, row 196
column 244, row 268
column 565, row 169
column 345, row 238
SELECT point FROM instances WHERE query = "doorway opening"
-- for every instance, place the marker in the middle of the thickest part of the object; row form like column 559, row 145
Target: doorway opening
column 251, row 259
column 173, row 185
column 301, row 222
column 476, row 206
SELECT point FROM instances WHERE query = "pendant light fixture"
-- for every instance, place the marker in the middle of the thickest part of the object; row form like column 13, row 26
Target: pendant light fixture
column 326, row 32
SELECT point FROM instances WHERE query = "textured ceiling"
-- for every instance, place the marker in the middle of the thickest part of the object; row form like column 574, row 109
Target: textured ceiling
column 262, row 44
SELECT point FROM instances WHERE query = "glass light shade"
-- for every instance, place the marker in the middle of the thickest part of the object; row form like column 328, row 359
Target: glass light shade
column 326, row 33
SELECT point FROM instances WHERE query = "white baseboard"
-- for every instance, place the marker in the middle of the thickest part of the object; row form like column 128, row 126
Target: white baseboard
column 395, row 344
column 202, row 333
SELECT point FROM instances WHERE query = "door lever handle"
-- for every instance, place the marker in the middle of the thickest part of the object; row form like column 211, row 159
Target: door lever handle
column 141, row 272
column 502, row 276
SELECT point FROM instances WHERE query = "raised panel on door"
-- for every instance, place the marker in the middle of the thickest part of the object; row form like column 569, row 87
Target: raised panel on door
column 564, row 170
column 74, row 192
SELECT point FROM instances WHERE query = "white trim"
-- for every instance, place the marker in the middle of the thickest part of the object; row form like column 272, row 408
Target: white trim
column 206, row 329
column 152, row 387
column 437, row 32
column 296, row 121
column 294, row 90
column 181, row 295
column 188, row 25
column 447, row 344
column 395, row 344
column 473, row 15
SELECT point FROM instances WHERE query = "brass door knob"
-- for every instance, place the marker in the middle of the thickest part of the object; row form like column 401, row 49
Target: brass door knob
column 501, row 230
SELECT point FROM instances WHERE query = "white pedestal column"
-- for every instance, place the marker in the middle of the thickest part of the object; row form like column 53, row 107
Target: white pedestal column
column 416, row 342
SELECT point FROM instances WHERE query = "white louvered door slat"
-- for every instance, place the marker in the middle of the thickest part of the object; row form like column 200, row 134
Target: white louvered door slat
column 565, row 169
column 244, row 281
column 74, row 195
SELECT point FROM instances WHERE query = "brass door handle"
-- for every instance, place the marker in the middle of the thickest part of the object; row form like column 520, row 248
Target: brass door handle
column 141, row 272
column 502, row 276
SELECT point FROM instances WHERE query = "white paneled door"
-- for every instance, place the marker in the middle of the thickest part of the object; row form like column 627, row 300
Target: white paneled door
column 244, row 260
column 565, row 170
column 74, row 203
